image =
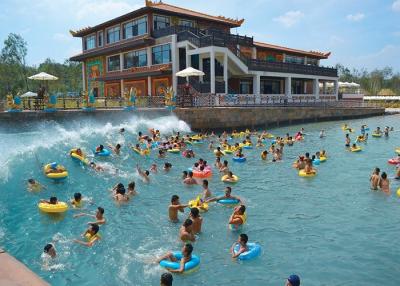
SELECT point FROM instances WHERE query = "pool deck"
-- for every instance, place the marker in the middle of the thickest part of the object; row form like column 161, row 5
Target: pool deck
column 14, row 273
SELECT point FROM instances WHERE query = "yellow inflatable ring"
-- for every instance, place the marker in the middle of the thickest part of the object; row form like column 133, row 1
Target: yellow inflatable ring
column 60, row 207
column 397, row 151
column 225, row 179
column 398, row 192
column 227, row 151
column 82, row 158
column 202, row 207
column 56, row 176
column 357, row 149
column 322, row 159
column 303, row 173
column 174, row 151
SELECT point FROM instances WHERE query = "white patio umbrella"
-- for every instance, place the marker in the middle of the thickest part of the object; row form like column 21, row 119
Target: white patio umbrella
column 43, row 76
column 189, row 72
column 29, row 94
column 353, row 84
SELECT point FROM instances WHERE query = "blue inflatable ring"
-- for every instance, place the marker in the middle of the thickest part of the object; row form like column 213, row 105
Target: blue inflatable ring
column 247, row 147
column 253, row 252
column 103, row 153
column 191, row 265
column 228, row 201
column 316, row 161
column 239, row 159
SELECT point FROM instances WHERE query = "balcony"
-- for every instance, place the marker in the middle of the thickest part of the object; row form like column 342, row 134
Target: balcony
column 260, row 65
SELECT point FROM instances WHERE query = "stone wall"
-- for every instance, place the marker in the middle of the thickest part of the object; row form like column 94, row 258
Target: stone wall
column 230, row 118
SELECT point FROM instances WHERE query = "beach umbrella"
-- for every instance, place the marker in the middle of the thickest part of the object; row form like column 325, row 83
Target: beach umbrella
column 29, row 94
column 189, row 72
column 43, row 76
column 353, row 84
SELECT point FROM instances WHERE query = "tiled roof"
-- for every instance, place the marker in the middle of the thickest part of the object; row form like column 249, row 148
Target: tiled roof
column 174, row 9
column 315, row 54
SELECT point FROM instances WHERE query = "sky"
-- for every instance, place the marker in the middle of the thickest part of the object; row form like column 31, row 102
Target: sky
column 359, row 33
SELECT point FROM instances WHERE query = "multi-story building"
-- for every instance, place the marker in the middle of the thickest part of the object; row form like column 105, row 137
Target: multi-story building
column 147, row 47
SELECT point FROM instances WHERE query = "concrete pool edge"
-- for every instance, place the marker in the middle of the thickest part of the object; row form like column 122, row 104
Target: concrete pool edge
column 15, row 273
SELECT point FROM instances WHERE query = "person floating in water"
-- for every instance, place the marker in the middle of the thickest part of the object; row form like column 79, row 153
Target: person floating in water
column 322, row 133
column 96, row 167
column 50, row 250
column 120, row 194
column 91, row 235
column 144, row 174
column 187, row 250
column 35, row 186
column 242, row 242
column 238, row 217
column 227, row 195
column 99, row 216
column 116, row 149
column 99, row 148
column 293, row 280
column 174, row 208
column 347, row 140
column 186, row 231
column 76, row 202
column 52, row 201
column 374, row 179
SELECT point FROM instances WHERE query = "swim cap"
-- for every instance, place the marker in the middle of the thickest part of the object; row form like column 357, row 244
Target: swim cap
column 294, row 280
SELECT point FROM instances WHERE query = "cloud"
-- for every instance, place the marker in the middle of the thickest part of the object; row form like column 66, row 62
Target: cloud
column 290, row 18
column 108, row 8
column 396, row 6
column 60, row 37
column 355, row 17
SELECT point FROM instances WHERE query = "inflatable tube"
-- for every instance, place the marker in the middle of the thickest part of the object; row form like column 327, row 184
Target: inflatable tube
column 303, row 173
column 254, row 250
column 239, row 159
column 247, row 147
column 228, row 202
column 197, row 142
column 196, row 137
column 188, row 142
column 60, row 207
column 104, row 153
column 141, row 152
column 227, row 151
column 397, row 150
column 398, row 192
column 55, row 175
column 357, row 149
column 376, row 135
column 81, row 159
column 316, row 162
column 174, row 151
column 232, row 181
column 197, row 203
column 206, row 173
column 189, row 266
column 322, row 159
column 394, row 161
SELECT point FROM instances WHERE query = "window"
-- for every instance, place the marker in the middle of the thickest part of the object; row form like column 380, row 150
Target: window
column 246, row 87
column 135, row 28
column 90, row 42
column 135, row 59
column 186, row 23
column 161, row 22
column 100, row 39
column 113, row 35
column 113, row 63
column 311, row 61
column 161, row 54
column 294, row 59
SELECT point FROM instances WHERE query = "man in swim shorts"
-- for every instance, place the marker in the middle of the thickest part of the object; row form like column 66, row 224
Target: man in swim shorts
column 206, row 191
column 228, row 191
column 237, row 218
column 187, row 250
column 186, row 231
column 374, row 179
column 174, row 208
column 99, row 216
column 242, row 241
column 196, row 219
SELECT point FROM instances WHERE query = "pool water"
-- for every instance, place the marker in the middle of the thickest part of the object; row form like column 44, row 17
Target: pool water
column 331, row 229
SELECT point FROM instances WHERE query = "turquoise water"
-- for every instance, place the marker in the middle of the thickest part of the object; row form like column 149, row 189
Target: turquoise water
column 331, row 230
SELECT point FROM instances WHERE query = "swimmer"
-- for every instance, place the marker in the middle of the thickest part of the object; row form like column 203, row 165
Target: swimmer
column 219, row 153
column 196, row 219
column 153, row 168
column 96, row 167
column 120, row 193
column 99, row 216
column 131, row 189
column 206, row 191
column 161, row 154
column 121, row 130
column 174, row 208
column 237, row 218
column 347, row 140
column 293, row 280
column 55, row 168
column 34, row 186
column 211, row 145
column 76, row 202
column 308, row 167
column 186, row 231
column 242, row 242
column 224, row 169
column 218, row 163
column 50, row 251
column 322, row 133
column 116, row 149
column 264, row 155
column 184, row 175
column 374, row 179
column 99, row 148
column 167, row 167
column 78, row 152
column 52, row 201
column 397, row 172
column 187, row 250
column 229, row 177
column 166, row 279
column 384, row 183
column 227, row 195
column 143, row 174
column 91, row 235
column 189, row 180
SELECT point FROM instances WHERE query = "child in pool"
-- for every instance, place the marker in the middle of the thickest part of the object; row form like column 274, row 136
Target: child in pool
column 242, row 242
column 153, row 168
column 224, row 169
column 99, row 216
column 186, row 231
column 374, row 179
column 50, row 250
column 76, row 202
column 308, row 167
column 189, row 180
column 229, row 177
column 91, row 235
column 196, row 219
column 397, row 172
column 116, row 149
column 131, row 189
column 264, row 155
column 174, row 208
column 99, row 148
column 52, row 201
column 144, row 174
column 218, row 163
column 120, row 194
column 206, row 191
column 167, row 167
column 161, row 154
column 239, row 154
column 187, row 250
column 384, row 183
column 34, row 186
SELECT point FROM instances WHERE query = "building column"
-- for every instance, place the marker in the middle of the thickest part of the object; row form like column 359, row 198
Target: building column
column 256, row 84
column 149, row 91
column 288, row 87
column 175, row 63
column 336, row 88
column 201, row 66
column 149, row 57
column 121, row 62
column 122, row 88
column 254, row 53
column 212, row 71
column 188, row 58
column 324, row 87
column 316, row 88
column 226, row 72
column 83, row 76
